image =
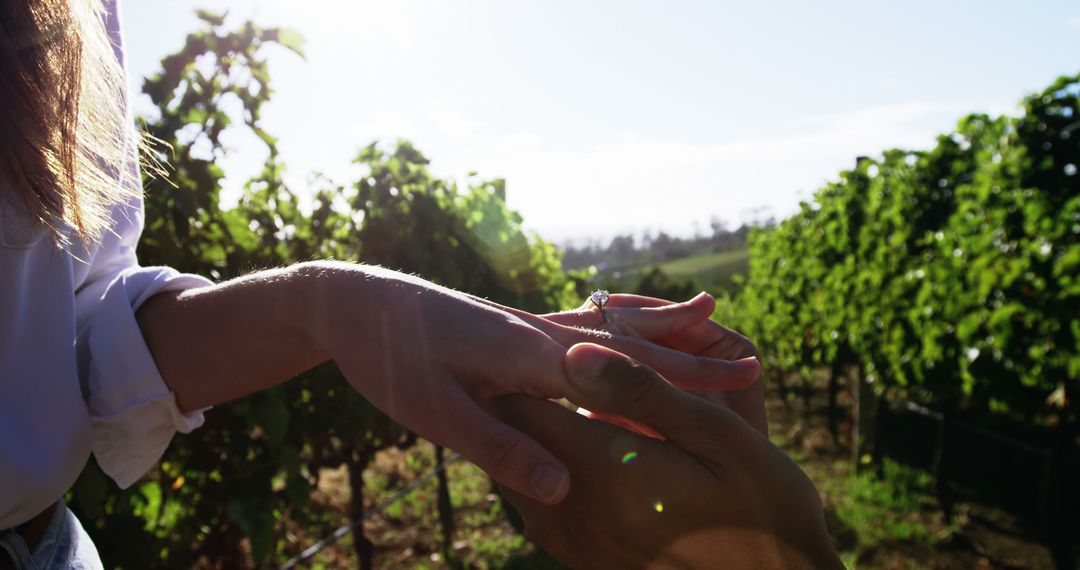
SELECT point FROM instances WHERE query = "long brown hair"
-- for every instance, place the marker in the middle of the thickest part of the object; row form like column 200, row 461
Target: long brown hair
column 64, row 130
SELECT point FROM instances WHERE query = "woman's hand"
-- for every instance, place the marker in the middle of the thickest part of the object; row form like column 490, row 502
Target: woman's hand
column 432, row 358
column 667, row 334
column 637, row 315
column 715, row 494
column 429, row 357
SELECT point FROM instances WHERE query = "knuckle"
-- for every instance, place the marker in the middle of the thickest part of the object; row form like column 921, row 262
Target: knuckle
column 752, row 348
column 522, row 350
column 675, row 312
column 501, row 449
column 660, row 322
column 743, row 345
column 644, row 392
column 704, row 367
column 621, row 329
column 517, row 330
column 671, row 328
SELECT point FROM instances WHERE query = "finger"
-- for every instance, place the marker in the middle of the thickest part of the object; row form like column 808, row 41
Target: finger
column 687, row 371
column 622, row 329
column 583, row 316
column 587, row 317
column 660, row 322
column 508, row 455
column 600, row 457
column 648, row 321
column 612, row 383
column 575, row 439
column 619, row 421
column 696, row 338
column 632, row 300
column 748, row 404
column 706, row 335
column 713, row 338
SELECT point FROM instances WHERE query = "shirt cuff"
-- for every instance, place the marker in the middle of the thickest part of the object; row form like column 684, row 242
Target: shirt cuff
column 133, row 414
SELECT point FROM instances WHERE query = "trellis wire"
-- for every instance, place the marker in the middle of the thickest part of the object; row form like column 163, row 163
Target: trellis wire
column 337, row 534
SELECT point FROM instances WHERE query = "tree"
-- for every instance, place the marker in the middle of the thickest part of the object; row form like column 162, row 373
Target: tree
column 255, row 463
column 656, row 283
column 947, row 275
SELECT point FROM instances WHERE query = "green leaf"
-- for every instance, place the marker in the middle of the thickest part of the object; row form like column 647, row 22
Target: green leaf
column 212, row 18
column 292, row 39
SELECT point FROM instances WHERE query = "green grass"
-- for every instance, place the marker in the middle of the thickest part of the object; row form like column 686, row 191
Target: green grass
column 709, row 270
column 712, row 271
column 891, row 508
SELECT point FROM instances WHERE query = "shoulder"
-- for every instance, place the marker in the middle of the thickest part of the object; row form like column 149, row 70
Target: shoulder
column 18, row 229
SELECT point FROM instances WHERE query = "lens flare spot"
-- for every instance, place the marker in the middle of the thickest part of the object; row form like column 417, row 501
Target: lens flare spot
column 658, row 505
column 629, row 457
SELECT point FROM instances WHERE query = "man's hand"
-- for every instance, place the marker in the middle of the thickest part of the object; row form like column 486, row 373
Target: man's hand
column 637, row 315
column 715, row 494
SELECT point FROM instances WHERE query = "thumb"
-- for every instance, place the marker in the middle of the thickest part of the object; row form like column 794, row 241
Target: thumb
column 621, row 422
column 508, row 455
column 611, row 383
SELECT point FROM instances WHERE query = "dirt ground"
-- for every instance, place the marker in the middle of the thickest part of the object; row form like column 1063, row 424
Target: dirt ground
column 979, row 536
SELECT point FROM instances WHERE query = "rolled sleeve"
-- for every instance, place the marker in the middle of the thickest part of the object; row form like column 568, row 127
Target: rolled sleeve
column 133, row 413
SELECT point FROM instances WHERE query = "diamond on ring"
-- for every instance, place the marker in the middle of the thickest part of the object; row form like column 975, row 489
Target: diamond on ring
column 600, row 299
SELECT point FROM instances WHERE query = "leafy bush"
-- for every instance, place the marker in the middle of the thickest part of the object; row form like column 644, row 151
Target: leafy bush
column 656, row 283
column 948, row 275
column 256, row 462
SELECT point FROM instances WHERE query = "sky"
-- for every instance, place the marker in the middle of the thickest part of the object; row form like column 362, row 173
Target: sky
column 616, row 116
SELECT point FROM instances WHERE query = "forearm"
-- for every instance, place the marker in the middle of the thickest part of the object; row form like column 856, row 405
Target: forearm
column 216, row 344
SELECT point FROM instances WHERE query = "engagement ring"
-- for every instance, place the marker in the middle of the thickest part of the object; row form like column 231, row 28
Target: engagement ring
column 600, row 298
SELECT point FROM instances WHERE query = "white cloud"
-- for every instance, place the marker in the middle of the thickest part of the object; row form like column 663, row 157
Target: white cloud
column 433, row 118
column 449, row 122
column 394, row 24
column 1074, row 22
column 631, row 182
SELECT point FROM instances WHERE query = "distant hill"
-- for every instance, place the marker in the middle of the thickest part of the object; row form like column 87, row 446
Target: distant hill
column 710, row 271
column 648, row 248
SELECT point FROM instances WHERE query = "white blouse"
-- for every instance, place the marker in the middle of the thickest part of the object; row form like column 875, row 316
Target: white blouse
column 75, row 374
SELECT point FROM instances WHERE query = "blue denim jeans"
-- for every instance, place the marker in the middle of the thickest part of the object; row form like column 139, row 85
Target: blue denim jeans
column 64, row 545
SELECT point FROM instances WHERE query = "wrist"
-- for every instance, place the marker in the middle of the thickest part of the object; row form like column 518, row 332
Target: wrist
column 337, row 299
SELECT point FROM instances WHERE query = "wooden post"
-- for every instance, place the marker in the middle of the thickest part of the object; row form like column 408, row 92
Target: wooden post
column 781, row 386
column 941, row 472
column 880, row 440
column 446, row 508
column 1052, row 511
column 834, row 381
column 866, row 404
column 363, row 547
column 808, row 398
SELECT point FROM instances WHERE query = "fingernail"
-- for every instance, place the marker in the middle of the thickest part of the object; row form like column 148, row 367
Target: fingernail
column 547, row 482
column 585, row 364
column 699, row 297
column 747, row 363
